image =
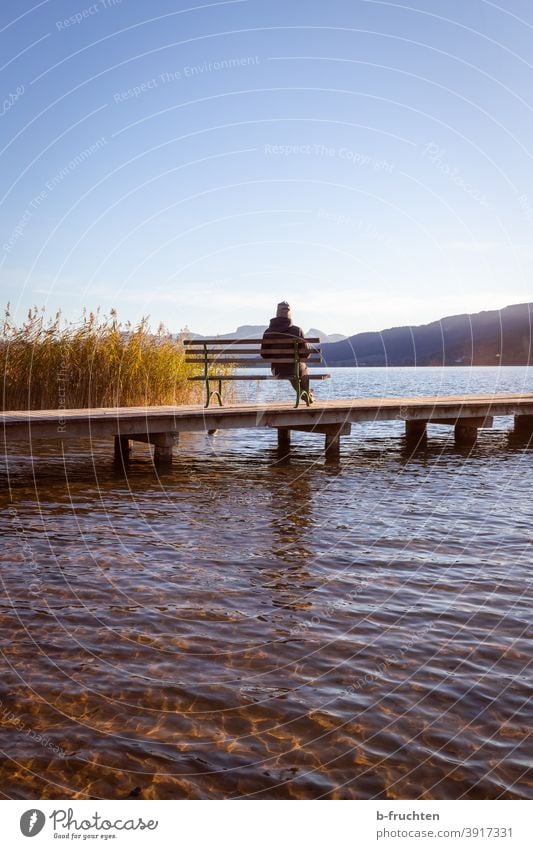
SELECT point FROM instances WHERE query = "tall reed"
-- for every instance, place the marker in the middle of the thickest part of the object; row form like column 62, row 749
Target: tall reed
column 49, row 363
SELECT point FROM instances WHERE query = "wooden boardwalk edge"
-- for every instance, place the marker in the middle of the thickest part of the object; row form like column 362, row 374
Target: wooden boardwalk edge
column 161, row 426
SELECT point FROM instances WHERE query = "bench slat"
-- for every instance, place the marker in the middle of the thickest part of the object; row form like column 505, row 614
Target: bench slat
column 250, row 361
column 216, row 377
column 289, row 337
column 288, row 349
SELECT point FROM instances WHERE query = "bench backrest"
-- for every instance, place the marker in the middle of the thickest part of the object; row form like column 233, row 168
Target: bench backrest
column 244, row 353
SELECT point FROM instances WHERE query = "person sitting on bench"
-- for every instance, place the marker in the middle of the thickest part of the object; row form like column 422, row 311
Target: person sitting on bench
column 280, row 328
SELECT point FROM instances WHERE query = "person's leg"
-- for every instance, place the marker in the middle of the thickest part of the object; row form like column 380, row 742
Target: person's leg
column 304, row 381
column 280, row 376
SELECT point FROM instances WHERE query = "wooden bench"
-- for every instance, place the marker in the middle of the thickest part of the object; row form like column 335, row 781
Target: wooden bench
column 217, row 355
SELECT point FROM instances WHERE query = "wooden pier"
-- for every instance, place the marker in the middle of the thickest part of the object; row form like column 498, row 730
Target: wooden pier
column 161, row 426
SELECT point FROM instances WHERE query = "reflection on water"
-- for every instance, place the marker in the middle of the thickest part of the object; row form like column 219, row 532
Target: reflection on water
column 239, row 626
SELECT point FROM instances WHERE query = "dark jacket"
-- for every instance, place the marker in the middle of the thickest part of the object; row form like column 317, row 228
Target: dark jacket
column 281, row 329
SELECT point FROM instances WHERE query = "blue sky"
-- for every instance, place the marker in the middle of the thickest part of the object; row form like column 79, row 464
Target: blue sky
column 370, row 162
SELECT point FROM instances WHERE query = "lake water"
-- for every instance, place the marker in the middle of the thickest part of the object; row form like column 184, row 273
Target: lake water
column 240, row 627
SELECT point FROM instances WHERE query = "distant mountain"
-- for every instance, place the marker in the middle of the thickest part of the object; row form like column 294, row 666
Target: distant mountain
column 255, row 331
column 324, row 337
column 245, row 331
column 491, row 337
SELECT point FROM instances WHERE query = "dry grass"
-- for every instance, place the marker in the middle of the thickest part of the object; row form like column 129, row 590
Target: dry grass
column 98, row 362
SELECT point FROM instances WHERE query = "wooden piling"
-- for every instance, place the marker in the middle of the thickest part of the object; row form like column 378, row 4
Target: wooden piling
column 523, row 425
column 333, row 446
column 415, row 432
column 284, row 441
column 122, row 450
column 163, row 444
column 332, row 433
column 465, row 434
column 162, row 455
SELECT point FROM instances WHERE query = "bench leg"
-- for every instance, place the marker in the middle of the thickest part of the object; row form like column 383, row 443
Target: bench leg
column 302, row 394
column 213, row 393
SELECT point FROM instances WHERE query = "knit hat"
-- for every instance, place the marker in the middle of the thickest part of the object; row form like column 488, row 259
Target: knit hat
column 283, row 310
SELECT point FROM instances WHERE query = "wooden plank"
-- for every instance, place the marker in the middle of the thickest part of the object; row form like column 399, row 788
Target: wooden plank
column 521, row 403
column 467, row 421
column 339, row 429
column 248, row 361
column 224, row 377
column 254, row 377
column 98, row 423
column 201, row 342
column 242, row 351
column 398, row 408
column 159, row 425
column 163, row 439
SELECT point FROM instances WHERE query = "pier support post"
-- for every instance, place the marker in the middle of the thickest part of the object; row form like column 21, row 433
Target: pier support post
column 122, row 450
column 465, row 427
column 162, row 455
column 415, row 432
column 333, row 444
column 523, row 426
column 163, row 444
column 284, row 441
column 465, row 434
column 332, row 432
